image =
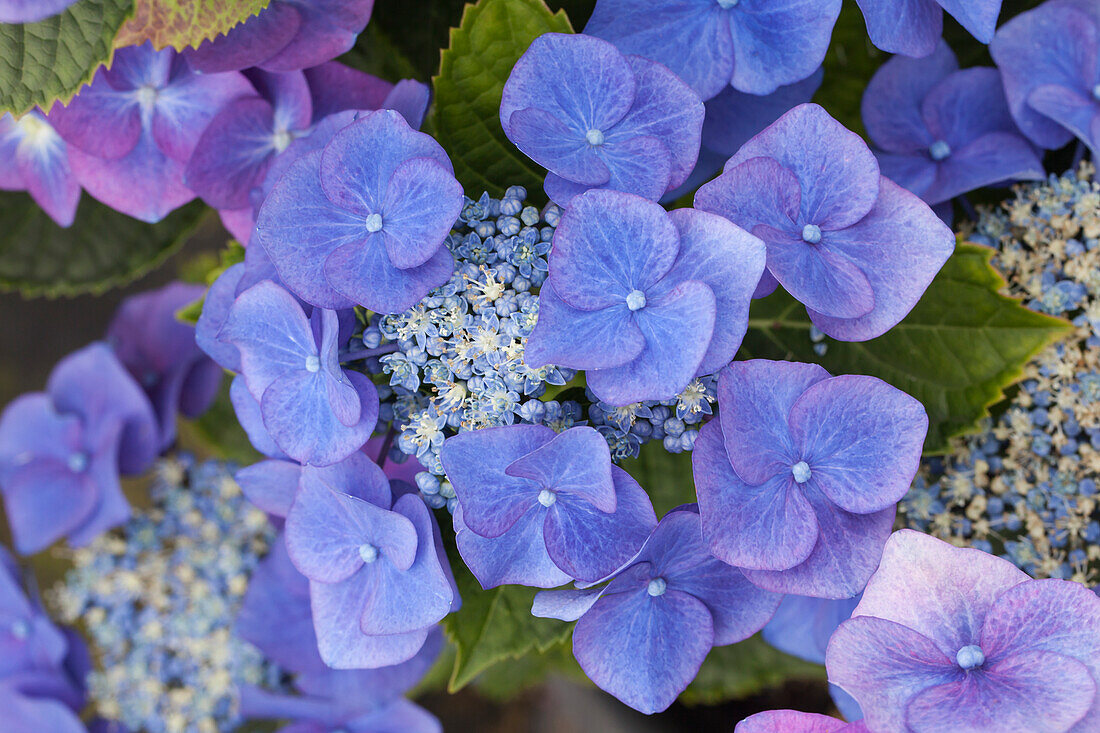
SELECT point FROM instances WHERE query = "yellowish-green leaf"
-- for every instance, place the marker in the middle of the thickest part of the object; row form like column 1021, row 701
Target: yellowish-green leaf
column 184, row 23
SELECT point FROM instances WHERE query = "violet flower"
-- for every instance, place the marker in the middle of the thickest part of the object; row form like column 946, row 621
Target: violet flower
column 856, row 249
column 643, row 299
column 598, row 119
column 379, row 580
column 287, row 35
column 275, row 616
column 160, row 353
column 315, row 411
column 942, row 131
column 798, row 478
column 754, row 45
column 644, row 635
column 363, row 220
column 133, row 129
column 238, row 146
column 538, row 508
column 61, row 451
column 1047, row 57
column 37, row 161
column 948, row 639
column 914, row 27
column 793, row 721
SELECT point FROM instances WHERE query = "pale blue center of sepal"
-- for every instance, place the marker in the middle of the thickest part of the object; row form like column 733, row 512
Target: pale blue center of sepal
column 368, row 553
column 657, row 587
column 77, row 462
column 547, row 497
column 313, row 363
column 635, row 300
column 374, row 223
column 727, row 4
column 20, row 629
column 594, row 137
column 801, row 472
column 939, row 150
column 811, row 234
column 970, row 656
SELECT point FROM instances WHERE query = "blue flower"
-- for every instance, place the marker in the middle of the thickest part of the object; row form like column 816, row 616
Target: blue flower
column 598, row 119
column 363, row 220
column 30, row 11
column 41, row 665
column 643, row 636
column 61, row 451
column 160, row 353
column 914, row 27
column 798, row 478
column 786, row 721
column 275, row 616
column 733, row 118
column 857, row 250
column 286, row 35
column 942, row 131
column 140, row 121
column 949, row 639
column 642, row 299
column 315, row 411
column 37, row 161
column 1047, row 57
column 378, row 578
column 755, row 45
column 539, row 509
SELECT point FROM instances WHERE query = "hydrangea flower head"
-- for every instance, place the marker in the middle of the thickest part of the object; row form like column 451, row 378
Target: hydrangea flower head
column 378, row 578
column 539, row 509
column 949, row 639
column 37, row 161
column 160, row 353
column 287, row 35
column 598, row 119
column 363, row 220
column 1048, row 59
column 943, row 132
column 315, row 411
column 798, row 478
column 61, row 451
column 755, row 45
column 139, row 120
column 643, row 299
column 643, row 636
column 793, row 721
column 236, row 149
column 914, row 27
column 855, row 248
column 30, row 11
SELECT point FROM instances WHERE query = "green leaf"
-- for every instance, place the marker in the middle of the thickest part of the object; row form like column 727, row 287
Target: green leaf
column 494, row 626
column 466, row 120
column 665, row 476
column 101, row 250
column 956, row 352
column 184, row 23
column 508, row 678
column 743, row 669
column 51, row 59
column 415, row 31
column 218, row 433
column 204, row 270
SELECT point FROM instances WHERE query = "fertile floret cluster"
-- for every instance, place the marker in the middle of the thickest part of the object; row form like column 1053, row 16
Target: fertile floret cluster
column 457, row 359
column 1025, row 488
column 157, row 600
